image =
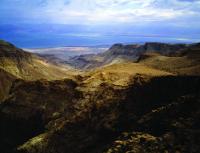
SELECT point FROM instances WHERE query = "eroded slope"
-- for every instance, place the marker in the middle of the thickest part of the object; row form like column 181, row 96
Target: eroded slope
column 28, row 66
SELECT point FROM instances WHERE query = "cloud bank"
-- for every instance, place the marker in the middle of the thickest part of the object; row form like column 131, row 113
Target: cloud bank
column 100, row 11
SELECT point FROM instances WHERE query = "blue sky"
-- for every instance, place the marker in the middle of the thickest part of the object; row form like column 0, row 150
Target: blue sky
column 46, row 23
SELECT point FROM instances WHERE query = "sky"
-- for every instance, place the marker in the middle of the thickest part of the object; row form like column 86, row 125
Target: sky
column 50, row 23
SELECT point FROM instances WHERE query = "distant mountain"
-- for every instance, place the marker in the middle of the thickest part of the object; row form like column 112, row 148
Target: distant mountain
column 120, row 53
column 62, row 54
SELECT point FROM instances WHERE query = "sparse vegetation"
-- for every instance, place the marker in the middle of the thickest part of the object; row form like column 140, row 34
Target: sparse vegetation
column 151, row 106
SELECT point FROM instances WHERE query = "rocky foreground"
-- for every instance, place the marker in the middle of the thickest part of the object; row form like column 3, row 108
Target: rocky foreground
column 125, row 107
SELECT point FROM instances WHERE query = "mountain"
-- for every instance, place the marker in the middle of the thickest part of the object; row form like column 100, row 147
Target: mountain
column 29, row 66
column 16, row 63
column 120, row 53
column 186, row 62
column 62, row 54
column 151, row 105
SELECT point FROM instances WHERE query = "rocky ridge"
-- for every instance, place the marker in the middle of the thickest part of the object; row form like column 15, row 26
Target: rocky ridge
column 119, row 53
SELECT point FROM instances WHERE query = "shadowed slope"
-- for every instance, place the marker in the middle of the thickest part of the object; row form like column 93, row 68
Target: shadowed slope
column 103, row 114
column 32, row 105
column 6, row 80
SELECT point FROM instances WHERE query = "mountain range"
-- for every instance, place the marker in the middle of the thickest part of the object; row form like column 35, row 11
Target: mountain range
column 120, row 53
column 128, row 99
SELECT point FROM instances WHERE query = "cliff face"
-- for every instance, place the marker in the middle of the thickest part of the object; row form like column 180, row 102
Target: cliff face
column 119, row 53
column 185, row 62
column 164, row 49
column 161, row 48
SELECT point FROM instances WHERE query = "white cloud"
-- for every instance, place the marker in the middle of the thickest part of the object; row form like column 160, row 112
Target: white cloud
column 103, row 11
column 115, row 11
